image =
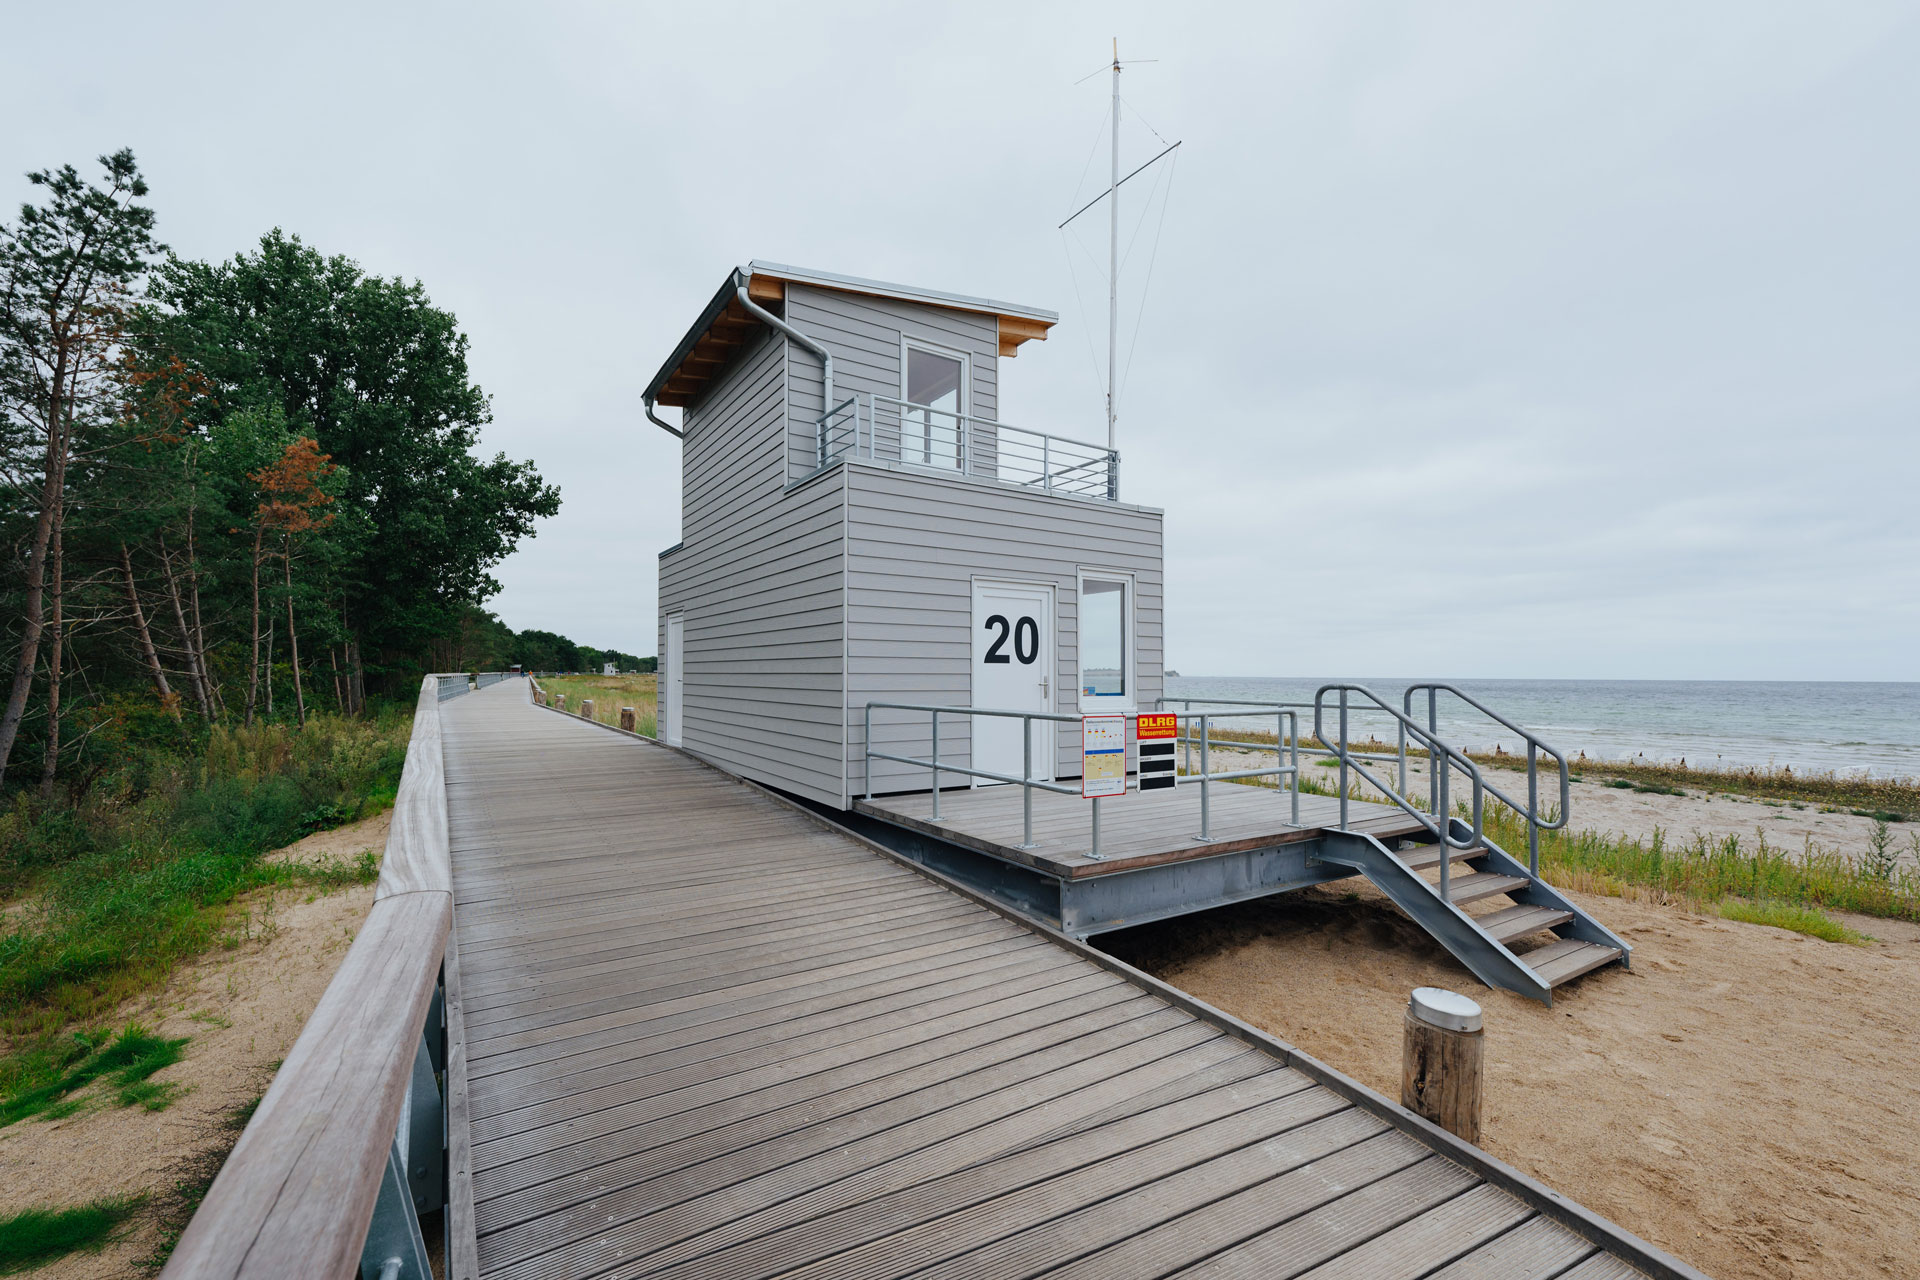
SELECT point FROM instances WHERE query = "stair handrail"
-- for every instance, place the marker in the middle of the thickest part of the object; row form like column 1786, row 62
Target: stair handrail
column 1439, row 824
column 1535, row 745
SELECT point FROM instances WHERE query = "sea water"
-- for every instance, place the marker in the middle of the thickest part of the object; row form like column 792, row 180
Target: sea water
column 1844, row 726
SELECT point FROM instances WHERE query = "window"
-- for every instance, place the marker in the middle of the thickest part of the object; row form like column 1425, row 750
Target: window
column 1106, row 638
column 936, row 398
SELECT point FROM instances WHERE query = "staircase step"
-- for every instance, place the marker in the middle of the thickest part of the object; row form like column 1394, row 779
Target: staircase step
column 1512, row 923
column 1481, row 884
column 1424, row 856
column 1567, row 959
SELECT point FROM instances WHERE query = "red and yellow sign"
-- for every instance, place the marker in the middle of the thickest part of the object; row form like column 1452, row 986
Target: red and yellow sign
column 1151, row 728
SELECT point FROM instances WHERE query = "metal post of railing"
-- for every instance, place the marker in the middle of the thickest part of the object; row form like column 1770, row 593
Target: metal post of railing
column 1026, row 781
column 1206, row 831
column 1435, row 758
column 1403, row 756
column 1113, row 476
column 869, row 767
column 1046, row 463
column 1096, row 827
column 1533, row 810
column 1343, row 759
column 1186, row 738
column 1293, row 745
column 936, row 766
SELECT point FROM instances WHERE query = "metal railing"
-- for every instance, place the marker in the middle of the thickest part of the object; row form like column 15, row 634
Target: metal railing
column 889, row 429
column 1535, row 746
column 1442, row 760
column 453, row 686
column 1286, row 721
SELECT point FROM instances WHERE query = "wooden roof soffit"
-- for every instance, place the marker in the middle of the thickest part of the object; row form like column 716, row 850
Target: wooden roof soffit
column 1015, row 330
column 728, row 332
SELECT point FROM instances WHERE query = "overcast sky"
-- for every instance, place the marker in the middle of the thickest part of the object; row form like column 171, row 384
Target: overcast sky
column 1495, row 340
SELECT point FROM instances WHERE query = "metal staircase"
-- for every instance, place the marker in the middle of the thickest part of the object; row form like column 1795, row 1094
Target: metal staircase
column 1523, row 936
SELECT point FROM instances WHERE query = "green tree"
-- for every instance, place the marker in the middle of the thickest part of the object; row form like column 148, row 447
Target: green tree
column 378, row 376
column 69, row 270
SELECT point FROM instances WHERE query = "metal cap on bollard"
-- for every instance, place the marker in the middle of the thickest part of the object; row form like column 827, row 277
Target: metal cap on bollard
column 1448, row 1010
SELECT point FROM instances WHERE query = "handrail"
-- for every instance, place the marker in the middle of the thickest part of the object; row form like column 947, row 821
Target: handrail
column 1535, row 745
column 345, row 1150
column 1267, row 707
column 1288, row 725
column 949, row 440
column 1440, row 823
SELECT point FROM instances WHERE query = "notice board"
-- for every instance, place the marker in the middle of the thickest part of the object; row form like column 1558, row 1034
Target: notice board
column 1103, row 756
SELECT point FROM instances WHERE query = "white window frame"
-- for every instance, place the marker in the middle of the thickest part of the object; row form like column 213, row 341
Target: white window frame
column 1130, row 637
column 910, row 343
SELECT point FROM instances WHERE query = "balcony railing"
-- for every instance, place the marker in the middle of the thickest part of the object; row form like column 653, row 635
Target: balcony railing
column 886, row 429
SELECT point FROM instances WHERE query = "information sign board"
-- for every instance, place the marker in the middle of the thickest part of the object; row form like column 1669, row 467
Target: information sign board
column 1158, row 735
column 1103, row 751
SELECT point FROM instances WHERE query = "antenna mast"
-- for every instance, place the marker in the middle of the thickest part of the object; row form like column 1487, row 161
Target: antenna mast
column 1113, row 252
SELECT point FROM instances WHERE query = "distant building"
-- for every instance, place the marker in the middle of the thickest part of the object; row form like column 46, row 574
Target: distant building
column 860, row 525
column 607, row 669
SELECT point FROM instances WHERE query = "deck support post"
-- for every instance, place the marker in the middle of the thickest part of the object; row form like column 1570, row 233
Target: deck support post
column 1442, row 1061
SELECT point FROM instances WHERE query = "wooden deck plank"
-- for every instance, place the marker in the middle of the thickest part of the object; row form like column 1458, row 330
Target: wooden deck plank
column 1435, row 1238
column 705, row 1036
column 1537, row 1249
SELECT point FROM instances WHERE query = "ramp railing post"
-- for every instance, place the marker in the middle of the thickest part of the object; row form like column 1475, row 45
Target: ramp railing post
column 1026, row 781
column 1293, row 746
column 1343, row 759
column 1446, row 828
column 869, row 744
column 1433, row 757
column 1533, row 810
column 936, row 766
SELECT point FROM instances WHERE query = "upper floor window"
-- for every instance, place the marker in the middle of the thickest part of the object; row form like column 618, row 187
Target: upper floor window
column 935, row 392
column 1106, row 638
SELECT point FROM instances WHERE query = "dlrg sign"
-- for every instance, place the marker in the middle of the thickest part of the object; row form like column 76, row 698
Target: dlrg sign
column 1158, row 735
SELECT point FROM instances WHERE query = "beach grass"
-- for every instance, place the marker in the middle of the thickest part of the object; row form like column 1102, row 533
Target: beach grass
column 609, row 694
column 1784, row 915
column 34, row 1237
column 1709, row 871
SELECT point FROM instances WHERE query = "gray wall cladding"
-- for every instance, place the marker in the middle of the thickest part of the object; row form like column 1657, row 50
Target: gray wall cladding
column 759, row 580
column 864, row 333
column 916, row 542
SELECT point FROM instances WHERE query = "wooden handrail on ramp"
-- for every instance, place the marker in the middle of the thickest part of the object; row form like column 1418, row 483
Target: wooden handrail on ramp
column 298, row 1193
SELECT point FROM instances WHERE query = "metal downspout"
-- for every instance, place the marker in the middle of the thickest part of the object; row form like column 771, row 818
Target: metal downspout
column 826, row 357
column 675, row 432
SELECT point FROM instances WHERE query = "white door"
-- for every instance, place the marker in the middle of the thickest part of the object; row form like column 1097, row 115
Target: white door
column 1012, row 671
column 676, row 678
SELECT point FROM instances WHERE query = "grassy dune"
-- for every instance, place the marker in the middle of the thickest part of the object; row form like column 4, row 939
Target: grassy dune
column 609, row 694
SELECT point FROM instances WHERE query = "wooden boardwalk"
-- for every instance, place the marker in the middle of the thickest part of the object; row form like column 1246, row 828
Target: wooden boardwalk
column 705, row 1035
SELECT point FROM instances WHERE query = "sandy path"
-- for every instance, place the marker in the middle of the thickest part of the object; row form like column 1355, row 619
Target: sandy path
column 1745, row 1097
column 263, row 991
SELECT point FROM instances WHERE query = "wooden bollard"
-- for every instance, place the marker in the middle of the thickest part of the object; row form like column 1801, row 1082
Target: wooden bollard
column 1441, row 1061
column 586, row 708
column 560, row 701
column 626, row 719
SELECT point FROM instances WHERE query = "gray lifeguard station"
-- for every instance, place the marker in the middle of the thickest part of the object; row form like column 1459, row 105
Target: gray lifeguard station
column 894, row 604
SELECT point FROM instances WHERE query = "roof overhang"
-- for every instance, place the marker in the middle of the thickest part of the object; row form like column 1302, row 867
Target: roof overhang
column 725, row 326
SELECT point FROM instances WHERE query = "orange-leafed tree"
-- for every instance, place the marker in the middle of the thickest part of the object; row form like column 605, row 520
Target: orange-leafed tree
column 295, row 491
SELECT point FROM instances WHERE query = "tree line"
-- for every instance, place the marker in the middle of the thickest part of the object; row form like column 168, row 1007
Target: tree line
column 234, row 491
column 484, row 643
